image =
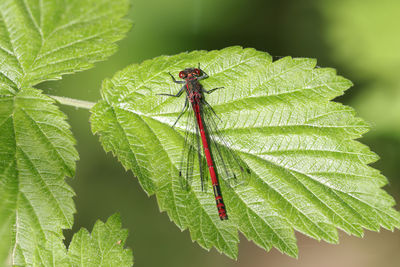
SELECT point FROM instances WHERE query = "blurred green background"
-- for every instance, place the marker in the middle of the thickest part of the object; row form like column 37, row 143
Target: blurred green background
column 359, row 38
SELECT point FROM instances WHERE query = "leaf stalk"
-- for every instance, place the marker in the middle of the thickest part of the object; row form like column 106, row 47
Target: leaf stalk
column 73, row 102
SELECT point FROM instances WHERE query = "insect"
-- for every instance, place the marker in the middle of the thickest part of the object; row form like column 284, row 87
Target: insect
column 219, row 159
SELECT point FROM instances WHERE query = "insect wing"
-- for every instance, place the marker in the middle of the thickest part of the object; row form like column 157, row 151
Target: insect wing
column 192, row 163
column 230, row 168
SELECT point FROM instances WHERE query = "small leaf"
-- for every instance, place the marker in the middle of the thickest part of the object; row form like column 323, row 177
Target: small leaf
column 104, row 247
column 308, row 173
column 41, row 41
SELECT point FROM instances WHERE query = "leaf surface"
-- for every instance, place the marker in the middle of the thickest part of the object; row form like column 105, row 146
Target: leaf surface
column 307, row 171
column 37, row 153
column 39, row 41
column 42, row 40
column 103, row 247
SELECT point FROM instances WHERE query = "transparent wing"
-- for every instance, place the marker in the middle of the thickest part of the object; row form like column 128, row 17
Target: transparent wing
column 192, row 158
column 230, row 168
column 193, row 165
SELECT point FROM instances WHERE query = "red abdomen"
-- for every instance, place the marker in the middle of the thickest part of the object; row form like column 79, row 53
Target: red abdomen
column 213, row 175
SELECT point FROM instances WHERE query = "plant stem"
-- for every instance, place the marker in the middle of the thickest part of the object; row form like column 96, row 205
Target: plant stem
column 73, row 102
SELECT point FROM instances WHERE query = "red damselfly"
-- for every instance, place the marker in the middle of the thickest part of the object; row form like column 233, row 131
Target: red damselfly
column 220, row 160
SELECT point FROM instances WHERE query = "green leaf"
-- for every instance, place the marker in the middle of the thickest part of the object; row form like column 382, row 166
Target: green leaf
column 39, row 41
column 42, row 40
column 37, row 152
column 308, row 172
column 5, row 243
column 104, row 247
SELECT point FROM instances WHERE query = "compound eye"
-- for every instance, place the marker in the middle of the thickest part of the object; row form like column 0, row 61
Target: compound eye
column 197, row 72
column 182, row 75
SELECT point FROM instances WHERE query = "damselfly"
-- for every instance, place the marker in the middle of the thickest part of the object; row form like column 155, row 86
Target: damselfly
column 220, row 160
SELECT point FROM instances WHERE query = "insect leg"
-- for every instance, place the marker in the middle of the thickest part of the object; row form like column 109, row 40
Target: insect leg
column 182, row 112
column 178, row 94
column 175, row 81
column 204, row 76
column 212, row 90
